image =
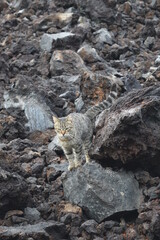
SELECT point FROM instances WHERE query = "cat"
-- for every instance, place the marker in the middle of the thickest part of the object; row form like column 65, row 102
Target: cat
column 75, row 131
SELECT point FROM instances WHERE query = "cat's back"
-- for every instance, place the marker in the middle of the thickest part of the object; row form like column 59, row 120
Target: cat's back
column 79, row 118
column 81, row 122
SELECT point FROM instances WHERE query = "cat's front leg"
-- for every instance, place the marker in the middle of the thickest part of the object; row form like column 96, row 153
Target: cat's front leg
column 86, row 146
column 70, row 157
column 77, row 155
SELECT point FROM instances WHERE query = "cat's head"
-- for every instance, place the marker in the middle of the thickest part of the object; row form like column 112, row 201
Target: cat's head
column 63, row 127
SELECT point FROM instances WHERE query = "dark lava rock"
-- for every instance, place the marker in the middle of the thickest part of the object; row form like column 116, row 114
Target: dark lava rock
column 71, row 218
column 3, row 5
column 38, row 102
column 89, row 226
column 40, row 231
column 52, row 21
column 129, row 132
column 149, row 219
column 98, row 9
column 4, row 67
column 20, row 4
column 102, row 193
column 12, row 124
column 96, row 86
column 148, row 30
column 63, row 40
column 13, row 216
column 130, row 83
column 66, row 62
column 38, row 114
column 116, row 39
column 12, row 194
column 32, row 214
column 63, row 3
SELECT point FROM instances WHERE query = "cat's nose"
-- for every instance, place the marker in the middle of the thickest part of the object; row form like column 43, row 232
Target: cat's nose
column 63, row 132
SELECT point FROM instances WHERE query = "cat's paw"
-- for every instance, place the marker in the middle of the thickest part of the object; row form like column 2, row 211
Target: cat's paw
column 70, row 167
column 87, row 157
column 88, row 160
column 77, row 164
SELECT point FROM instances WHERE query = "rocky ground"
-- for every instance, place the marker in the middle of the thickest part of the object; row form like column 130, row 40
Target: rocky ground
column 61, row 56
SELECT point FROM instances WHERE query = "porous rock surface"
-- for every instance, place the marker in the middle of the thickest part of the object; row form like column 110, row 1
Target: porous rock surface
column 129, row 132
column 11, row 191
column 88, row 46
column 39, row 230
column 102, row 192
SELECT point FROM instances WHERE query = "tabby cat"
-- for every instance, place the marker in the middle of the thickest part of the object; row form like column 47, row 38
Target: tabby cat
column 76, row 130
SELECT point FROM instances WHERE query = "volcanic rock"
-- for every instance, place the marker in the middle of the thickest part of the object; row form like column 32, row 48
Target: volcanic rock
column 11, row 191
column 149, row 42
column 126, row 127
column 83, row 28
column 88, row 54
column 53, row 20
column 61, row 40
column 110, row 41
column 66, row 62
column 130, row 83
column 55, row 145
column 63, row 3
column 38, row 114
column 32, row 214
column 20, row 4
column 89, row 226
column 103, row 36
column 98, row 9
column 102, row 192
column 157, row 61
column 3, row 5
column 41, row 231
column 96, row 86
column 12, row 124
column 79, row 103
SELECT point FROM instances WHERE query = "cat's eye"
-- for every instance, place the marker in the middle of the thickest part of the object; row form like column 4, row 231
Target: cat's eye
column 58, row 129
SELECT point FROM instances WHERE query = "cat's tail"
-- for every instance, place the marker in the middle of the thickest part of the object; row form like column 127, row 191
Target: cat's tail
column 95, row 110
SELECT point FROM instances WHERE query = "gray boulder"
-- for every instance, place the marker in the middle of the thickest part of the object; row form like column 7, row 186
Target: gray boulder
column 3, row 5
column 129, row 131
column 66, row 62
column 103, row 36
column 59, row 40
column 157, row 61
column 38, row 114
column 98, row 9
column 40, row 231
column 149, row 42
column 130, row 83
column 96, row 86
column 88, row 54
column 32, row 214
column 101, row 192
column 55, row 145
column 12, row 191
column 19, row 4
column 58, row 19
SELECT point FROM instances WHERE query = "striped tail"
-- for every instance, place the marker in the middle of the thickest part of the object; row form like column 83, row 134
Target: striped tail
column 95, row 110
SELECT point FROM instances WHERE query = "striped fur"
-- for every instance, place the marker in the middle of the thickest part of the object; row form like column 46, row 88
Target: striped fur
column 76, row 130
column 95, row 110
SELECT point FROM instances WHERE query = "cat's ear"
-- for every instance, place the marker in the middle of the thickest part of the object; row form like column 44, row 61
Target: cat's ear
column 55, row 119
column 69, row 118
